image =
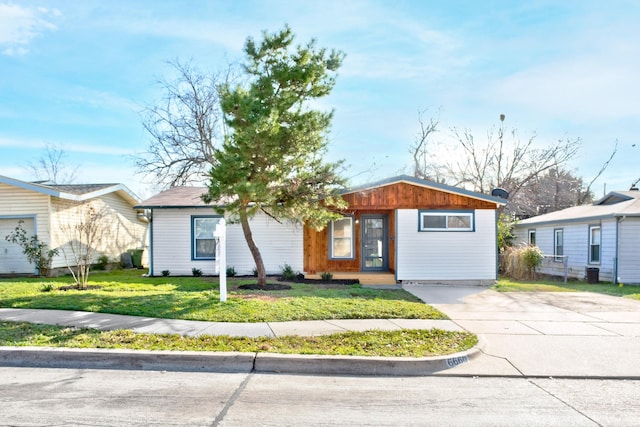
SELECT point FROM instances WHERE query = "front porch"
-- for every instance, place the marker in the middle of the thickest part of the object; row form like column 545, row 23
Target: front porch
column 365, row 278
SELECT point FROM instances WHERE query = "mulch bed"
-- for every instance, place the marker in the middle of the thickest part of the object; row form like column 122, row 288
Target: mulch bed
column 76, row 288
column 269, row 287
column 329, row 282
column 299, row 279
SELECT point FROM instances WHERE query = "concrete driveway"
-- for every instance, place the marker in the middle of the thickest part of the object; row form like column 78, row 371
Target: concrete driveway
column 543, row 334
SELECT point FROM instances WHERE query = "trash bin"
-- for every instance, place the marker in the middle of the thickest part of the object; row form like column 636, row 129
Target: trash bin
column 136, row 257
column 593, row 275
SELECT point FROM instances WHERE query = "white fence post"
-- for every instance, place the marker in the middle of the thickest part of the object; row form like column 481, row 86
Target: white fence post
column 221, row 234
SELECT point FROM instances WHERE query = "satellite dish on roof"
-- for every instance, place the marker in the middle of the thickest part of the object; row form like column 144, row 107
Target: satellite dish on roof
column 500, row 192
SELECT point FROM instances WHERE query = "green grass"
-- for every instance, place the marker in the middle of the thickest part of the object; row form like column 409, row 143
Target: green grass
column 509, row 285
column 404, row 343
column 197, row 298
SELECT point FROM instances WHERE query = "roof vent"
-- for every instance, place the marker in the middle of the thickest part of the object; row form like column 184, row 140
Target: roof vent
column 500, row 192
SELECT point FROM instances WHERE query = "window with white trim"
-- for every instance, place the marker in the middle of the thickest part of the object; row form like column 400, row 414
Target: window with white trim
column 446, row 221
column 594, row 244
column 341, row 239
column 203, row 244
column 532, row 237
column 558, row 244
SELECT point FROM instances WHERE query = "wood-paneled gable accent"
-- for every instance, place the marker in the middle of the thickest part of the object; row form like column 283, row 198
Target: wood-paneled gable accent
column 408, row 196
column 380, row 200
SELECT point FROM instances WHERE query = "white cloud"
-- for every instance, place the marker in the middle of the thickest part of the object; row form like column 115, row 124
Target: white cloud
column 20, row 25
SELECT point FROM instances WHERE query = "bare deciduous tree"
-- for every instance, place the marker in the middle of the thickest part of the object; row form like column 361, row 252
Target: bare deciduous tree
column 84, row 232
column 586, row 195
column 185, row 128
column 423, row 166
column 52, row 167
column 554, row 190
column 502, row 160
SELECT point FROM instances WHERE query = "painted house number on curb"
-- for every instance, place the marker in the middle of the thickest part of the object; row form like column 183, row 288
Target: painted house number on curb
column 455, row 361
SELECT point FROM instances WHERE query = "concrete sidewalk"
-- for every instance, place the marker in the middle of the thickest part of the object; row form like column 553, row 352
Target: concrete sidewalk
column 569, row 335
column 223, row 362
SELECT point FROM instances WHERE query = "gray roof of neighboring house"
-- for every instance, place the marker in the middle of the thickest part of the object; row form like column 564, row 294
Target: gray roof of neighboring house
column 614, row 204
column 76, row 192
column 177, row 197
column 183, row 197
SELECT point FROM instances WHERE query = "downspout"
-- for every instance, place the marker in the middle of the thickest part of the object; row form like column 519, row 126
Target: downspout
column 497, row 217
column 151, row 242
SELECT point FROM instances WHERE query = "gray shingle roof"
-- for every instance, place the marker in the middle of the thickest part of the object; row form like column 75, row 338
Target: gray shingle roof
column 79, row 189
column 182, row 197
column 626, row 203
column 176, row 197
column 77, row 192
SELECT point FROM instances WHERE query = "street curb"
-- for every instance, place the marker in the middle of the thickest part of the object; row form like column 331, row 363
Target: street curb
column 360, row 365
column 196, row 361
column 83, row 358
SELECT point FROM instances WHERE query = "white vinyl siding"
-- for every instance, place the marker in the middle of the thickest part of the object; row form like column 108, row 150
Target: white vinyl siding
column 120, row 228
column 629, row 251
column 278, row 244
column 443, row 257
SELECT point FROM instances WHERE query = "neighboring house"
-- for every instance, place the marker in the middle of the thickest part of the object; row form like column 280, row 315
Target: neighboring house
column 419, row 230
column 50, row 212
column 604, row 235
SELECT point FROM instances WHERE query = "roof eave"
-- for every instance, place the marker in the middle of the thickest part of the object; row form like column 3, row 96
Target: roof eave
column 575, row 220
column 427, row 184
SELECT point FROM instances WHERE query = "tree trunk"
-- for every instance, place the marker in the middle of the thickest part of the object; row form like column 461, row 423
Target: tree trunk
column 246, row 229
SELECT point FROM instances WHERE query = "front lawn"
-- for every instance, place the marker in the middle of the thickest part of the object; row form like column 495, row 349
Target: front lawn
column 198, row 298
column 510, row 285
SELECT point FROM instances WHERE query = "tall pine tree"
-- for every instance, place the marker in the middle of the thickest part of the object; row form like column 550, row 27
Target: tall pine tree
column 272, row 158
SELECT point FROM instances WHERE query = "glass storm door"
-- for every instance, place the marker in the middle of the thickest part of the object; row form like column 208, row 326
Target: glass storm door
column 374, row 243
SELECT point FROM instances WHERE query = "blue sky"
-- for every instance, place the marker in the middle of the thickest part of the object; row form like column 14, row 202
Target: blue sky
column 77, row 74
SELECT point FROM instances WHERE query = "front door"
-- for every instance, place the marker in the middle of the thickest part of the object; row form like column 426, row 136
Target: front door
column 374, row 243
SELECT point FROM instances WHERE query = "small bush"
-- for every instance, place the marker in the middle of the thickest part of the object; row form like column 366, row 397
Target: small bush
column 288, row 273
column 165, row 273
column 37, row 252
column 521, row 262
column 327, row 276
column 47, row 287
column 196, row 272
column 103, row 260
column 231, row 272
column 255, row 271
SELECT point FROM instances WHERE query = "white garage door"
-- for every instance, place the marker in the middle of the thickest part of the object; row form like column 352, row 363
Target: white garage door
column 12, row 260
